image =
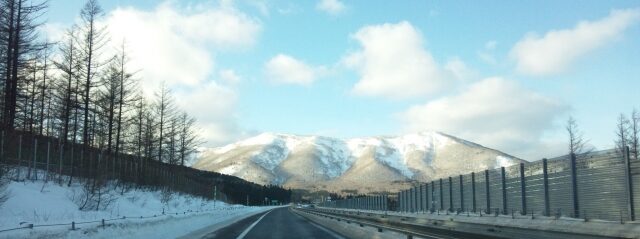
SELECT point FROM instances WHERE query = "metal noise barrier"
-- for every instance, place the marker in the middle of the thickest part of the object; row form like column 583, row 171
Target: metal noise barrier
column 598, row 185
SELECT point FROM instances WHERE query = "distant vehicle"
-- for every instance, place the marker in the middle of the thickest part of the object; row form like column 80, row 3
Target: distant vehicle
column 305, row 205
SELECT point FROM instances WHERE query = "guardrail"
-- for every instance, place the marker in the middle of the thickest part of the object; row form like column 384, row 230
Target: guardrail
column 407, row 230
column 103, row 222
column 460, row 227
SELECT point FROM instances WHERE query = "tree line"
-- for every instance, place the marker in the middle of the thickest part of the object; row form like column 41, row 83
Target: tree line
column 75, row 91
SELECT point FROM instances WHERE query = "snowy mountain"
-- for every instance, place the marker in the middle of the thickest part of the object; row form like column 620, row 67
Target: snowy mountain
column 364, row 164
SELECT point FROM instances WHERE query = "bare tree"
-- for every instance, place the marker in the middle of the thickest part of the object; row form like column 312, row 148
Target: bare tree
column 634, row 133
column 140, row 110
column 108, row 102
column 44, row 87
column 165, row 111
column 66, row 84
column 188, row 137
column 19, row 29
column 577, row 143
column 125, row 96
column 93, row 39
column 622, row 133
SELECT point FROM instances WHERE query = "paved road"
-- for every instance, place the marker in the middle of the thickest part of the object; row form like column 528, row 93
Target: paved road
column 278, row 223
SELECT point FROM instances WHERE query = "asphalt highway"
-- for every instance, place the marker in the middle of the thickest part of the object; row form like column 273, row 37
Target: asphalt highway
column 279, row 223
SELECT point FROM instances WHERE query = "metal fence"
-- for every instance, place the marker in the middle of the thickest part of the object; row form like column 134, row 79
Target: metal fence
column 57, row 159
column 599, row 185
column 378, row 202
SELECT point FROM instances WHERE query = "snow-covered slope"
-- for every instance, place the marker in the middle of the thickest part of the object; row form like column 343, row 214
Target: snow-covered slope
column 363, row 164
column 51, row 209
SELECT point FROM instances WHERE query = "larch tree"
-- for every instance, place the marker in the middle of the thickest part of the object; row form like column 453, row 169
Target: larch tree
column 92, row 40
column 68, row 65
column 622, row 133
column 188, row 137
column 634, row 133
column 577, row 143
column 19, row 43
column 165, row 111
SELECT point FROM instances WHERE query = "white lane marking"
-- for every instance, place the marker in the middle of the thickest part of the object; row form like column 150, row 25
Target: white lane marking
column 244, row 233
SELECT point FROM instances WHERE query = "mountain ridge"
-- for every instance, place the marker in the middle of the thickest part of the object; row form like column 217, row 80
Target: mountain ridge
column 366, row 164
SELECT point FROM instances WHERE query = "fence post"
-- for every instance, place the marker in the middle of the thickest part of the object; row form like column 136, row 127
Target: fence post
column 2, row 147
column 417, row 198
column 574, row 186
column 461, row 194
column 487, row 190
column 629, row 185
column 61, row 151
column 410, row 199
column 433, row 201
column 504, row 191
column 473, row 190
column 426, row 197
column 407, row 205
column 414, row 197
column 547, row 206
column 403, row 201
column 48, row 159
column 441, row 196
column 523, row 190
column 19, row 155
column 423, row 197
column 450, row 194
column 35, row 153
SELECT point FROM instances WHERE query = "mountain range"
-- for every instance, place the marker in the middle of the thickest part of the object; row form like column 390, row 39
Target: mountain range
column 356, row 165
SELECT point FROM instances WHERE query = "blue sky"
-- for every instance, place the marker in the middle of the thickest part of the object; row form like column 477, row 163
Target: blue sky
column 505, row 74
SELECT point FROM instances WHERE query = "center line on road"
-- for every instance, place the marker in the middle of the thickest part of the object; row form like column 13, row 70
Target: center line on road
column 244, row 233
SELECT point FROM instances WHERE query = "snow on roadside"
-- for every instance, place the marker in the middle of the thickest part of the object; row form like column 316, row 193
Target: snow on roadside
column 39, row 204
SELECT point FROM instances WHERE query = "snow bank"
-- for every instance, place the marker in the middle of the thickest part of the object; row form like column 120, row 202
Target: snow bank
column 138, row 213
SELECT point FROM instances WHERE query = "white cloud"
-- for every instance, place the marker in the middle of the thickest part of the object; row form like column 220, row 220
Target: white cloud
column 288, row 70
column 333, row 7
column 53, row 31
column 176, row 45
column 214, row 106
column 393, row 63
column 458, row 69
column 229, row 76
column 558, row 49
column 173, row 46
column 488, row 53
column 494, row 112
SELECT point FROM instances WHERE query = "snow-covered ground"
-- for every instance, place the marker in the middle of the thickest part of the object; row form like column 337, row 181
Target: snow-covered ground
column 38, row 203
